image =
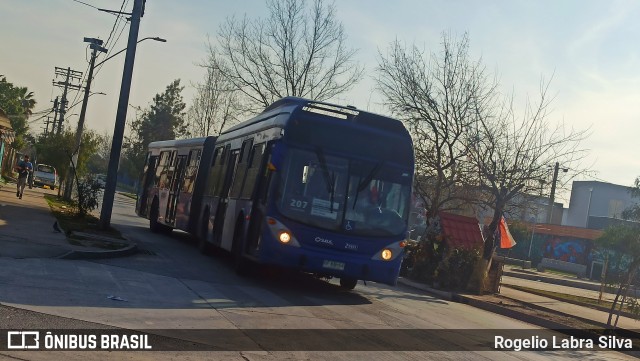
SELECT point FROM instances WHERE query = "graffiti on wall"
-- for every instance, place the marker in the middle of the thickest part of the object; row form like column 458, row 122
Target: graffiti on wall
column 566, row 249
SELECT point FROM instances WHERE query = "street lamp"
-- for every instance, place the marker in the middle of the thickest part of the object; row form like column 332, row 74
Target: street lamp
column 533, row 230
column 589, row 207
column 79, row 131
column 143, row 39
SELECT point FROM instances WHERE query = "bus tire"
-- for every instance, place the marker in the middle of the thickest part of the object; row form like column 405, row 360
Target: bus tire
column 241, row 264
column 348, row 283
column 164, row 229
column 154, row 226
column 203, row 245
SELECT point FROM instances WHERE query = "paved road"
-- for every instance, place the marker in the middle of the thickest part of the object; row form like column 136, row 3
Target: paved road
column 173, row 287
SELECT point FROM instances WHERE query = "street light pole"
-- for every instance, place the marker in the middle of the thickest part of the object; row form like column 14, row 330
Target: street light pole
column 586, row 225
column 121, row 116
column 556, row 168
column 533, row 230
column 137, row 42
column 96, row 45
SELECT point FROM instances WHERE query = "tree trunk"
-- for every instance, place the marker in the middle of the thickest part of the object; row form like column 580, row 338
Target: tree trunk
column 625, row 284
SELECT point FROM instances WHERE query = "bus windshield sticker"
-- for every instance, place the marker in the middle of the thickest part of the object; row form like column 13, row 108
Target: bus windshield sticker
column 348, row 226
column 299, row 205
column 321, row 207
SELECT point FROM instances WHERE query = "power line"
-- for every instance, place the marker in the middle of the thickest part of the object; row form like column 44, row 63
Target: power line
column 84, row 3
column 118, row 18
column 115, row 24
column 113, row 29
column 89, row 5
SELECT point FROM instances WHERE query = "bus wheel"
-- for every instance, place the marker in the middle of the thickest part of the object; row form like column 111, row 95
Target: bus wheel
column 154, row 226
column 241, row 265
column 165, row 229
column 203, row 245
column 348, row 283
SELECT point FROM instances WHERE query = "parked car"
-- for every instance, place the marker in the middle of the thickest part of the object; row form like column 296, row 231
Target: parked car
column 101, row 179
column 45, row 175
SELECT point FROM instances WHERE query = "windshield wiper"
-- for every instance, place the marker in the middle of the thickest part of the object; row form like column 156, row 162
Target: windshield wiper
column 330, row 180
column 365, row 182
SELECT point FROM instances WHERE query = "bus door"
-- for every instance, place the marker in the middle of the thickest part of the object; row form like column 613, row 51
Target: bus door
column 174, row 189
column 223, row 203
column 148, row 176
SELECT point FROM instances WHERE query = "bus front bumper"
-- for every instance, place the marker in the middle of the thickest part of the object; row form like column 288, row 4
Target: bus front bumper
column 332, row 264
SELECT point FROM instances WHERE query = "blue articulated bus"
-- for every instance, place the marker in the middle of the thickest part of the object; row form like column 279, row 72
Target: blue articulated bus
column 311, row 186
column 172, row 184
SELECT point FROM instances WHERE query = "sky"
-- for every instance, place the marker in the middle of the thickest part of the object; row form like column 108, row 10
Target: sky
column 587, row 49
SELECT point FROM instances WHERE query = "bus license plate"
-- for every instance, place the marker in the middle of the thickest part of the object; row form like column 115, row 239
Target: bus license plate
column 333, row 265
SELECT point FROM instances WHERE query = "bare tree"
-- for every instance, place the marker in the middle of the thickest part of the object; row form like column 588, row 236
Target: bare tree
column 512, row 153
column 438, row 97
column 299, row 50
column 215, row 105
column 471, row 148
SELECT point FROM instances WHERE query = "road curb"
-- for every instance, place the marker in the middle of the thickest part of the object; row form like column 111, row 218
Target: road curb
column 442, row 294
column 80, row 254
column 487, row 306
column 557, row 281
column 525, row 317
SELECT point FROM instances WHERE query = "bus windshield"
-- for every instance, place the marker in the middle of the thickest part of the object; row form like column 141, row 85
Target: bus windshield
column 356, row 197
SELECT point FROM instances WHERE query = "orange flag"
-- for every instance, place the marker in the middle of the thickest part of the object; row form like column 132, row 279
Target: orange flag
column 506, row 240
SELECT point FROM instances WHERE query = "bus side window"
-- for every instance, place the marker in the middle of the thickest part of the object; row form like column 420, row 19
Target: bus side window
column 265, row 176
column 191, row 171
column 255, row 160
column 167, row 170
column 160, row 170
column 215, row 171
column 241, row 170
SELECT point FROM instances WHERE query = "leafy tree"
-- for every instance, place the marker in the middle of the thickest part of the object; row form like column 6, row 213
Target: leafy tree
column 624, row 239
column 98, row 162
column 18, row 103
column 56, row 150
column 299, row 50
column 163, row 120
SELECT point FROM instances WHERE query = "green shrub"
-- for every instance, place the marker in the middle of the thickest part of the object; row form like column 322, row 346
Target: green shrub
column 88, row 190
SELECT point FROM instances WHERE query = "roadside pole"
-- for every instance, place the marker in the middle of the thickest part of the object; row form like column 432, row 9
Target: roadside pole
column 96, row 45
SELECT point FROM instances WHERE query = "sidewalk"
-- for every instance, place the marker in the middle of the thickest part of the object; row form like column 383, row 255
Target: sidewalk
column 559, row 284
column 26, row 228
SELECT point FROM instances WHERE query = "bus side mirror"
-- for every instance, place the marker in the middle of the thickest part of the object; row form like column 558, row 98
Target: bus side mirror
column 305, row 174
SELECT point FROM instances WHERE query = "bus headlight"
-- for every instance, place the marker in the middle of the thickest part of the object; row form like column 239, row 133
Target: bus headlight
column 284, row 237
column 281, row 232
column 390, row 252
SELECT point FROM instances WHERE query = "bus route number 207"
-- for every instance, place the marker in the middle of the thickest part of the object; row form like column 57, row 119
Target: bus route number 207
column 298, row 204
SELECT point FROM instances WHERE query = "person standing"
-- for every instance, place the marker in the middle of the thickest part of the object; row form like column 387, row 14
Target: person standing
column 23, row 168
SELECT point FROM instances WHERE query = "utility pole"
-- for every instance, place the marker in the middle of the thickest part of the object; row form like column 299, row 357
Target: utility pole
column 70, row 75
column 556, row 168
column 95, row 45
column 55, row 115
column 46, row 125
column 121, row 116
